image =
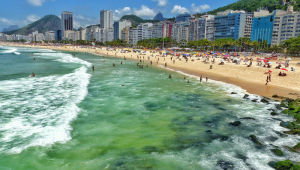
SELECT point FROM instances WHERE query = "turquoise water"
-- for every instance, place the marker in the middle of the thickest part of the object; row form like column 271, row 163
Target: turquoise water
column 69, row 117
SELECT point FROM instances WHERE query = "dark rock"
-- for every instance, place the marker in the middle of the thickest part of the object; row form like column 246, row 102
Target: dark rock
column 255, row 140
column 275, row 96
column 277, row 152
column 247, row 118
column 254, row 100
column 280, row 134
column 225, row 165
column 235, row 123
column 297, row 147
column 264, row 100
column 291, row 149
column 272, row 138
column 277, row 119
column 274, row 113
column 246, row 96
column 208, row 132
column 288, row 125
column 283, row 165
column 278, row 107
column 150, row 149
column 119, row 164
column 271, row 164
column 233, row 93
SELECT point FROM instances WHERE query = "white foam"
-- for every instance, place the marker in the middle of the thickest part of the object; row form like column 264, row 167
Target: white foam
column 63, row 57
column 41, row 109
column 9, row 50
column 17, row 53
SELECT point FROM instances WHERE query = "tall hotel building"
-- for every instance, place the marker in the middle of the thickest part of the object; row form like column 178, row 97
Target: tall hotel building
column 106, row 19
column 66, row 22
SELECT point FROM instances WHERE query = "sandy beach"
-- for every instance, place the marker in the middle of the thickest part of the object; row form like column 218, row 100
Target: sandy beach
column 251, row 79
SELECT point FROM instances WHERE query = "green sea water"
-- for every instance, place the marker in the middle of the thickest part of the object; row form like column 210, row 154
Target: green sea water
column 124, row 117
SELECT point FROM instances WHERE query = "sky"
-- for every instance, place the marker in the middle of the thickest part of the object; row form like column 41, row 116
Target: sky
column 87, row 12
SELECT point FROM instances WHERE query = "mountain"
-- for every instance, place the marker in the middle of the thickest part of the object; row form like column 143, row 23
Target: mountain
column 135, row 20
column 10, row 28
column 47, row 23
column 253, row 5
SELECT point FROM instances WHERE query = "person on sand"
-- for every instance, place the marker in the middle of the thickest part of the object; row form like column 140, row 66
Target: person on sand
column 267, row 80
column 151, row 62
column 165, row 64
column 269, row 77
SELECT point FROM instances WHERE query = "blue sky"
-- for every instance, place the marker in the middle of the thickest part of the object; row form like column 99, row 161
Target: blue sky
column 87, row 12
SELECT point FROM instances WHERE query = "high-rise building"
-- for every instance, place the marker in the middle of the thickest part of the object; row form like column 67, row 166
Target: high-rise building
column 167, row 29
column 233, row 24
column 180, row 32
column 285, row 26
column 183, row 17
column 106, row 19
column 157, row 30
column 66, row 22
column 202, row 28
column 119, row 26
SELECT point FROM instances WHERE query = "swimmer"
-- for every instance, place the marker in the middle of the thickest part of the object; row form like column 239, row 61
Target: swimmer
column 33, row 58
column 170, row 76
column 113, row 64
column 32, row 75
column 93, row 68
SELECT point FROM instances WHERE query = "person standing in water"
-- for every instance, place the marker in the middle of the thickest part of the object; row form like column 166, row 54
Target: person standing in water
column 93, row 68
column 201, row 78
column 32, row 75
column 206, row 79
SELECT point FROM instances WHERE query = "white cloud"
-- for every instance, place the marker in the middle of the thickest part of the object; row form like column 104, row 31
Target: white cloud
column 6, row 21
column 161, row 2
column 32, row 18
column 36, row 2
column 179, row 9
column 144, row 12
column 118, row 13
column 83, row 21
column 200, row 8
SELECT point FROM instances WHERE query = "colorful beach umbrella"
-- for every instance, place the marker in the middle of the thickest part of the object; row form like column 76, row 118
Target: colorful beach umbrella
column 284, row 69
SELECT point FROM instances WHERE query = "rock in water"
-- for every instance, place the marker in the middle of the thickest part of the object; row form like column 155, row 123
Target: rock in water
column 246, row 96
column 233, row 93
column 255, row 140
column 248, row 118
column 277, row 152
column 236, row 123
column 225, row 165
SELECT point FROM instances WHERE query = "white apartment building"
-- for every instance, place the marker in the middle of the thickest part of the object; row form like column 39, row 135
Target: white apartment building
column 49, row 36
column 202, row 28
column 106, row 19
column 180, row 31
column 157, row 30
column 146, row 30
column 285, row 26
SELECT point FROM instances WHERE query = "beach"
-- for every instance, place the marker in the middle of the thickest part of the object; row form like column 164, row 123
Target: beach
column 124, row 117
column 251, row 79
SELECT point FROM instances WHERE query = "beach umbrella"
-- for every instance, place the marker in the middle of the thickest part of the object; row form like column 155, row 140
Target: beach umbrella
column 284, row 69
column 270, row 71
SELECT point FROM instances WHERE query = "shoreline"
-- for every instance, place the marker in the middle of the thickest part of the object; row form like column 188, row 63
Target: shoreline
column 250, row 85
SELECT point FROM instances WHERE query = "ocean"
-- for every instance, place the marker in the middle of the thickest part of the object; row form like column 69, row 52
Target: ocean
column 124, row 117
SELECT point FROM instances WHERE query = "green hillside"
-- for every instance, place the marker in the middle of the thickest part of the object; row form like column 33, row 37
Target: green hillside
column 137, row 20
column 47, row 23
column 253, row 5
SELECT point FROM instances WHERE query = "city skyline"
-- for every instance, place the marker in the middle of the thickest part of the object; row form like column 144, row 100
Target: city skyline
column 28, row 11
